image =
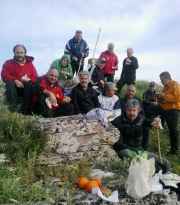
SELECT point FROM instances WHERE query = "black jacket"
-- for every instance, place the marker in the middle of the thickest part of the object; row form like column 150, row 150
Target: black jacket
column 84, row 101
column 131, row 68
column 147, row 98
column 96, row 76
column 130, row 132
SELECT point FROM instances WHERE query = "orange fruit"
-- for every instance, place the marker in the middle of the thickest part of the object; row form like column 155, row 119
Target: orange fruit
column 82, row 182
column 99, row 182
column 90, row 185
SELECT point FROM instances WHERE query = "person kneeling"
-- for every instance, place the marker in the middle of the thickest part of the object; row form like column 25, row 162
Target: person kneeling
column 48, row 99
column 130, row 125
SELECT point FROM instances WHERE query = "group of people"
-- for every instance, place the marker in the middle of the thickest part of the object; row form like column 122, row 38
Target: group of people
column 90, row 92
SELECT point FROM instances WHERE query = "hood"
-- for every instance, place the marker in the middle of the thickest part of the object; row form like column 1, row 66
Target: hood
column 29, row 58
column 67, row 57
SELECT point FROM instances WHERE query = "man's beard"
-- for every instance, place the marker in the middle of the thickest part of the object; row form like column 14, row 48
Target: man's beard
column 19, row 58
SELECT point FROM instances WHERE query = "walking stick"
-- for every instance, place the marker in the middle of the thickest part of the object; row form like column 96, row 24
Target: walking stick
column 79, row 66
column 159, row 147
column 96, row 43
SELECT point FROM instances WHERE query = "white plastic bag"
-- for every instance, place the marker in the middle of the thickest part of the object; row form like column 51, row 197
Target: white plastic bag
column 155, row 185
column 138, row 182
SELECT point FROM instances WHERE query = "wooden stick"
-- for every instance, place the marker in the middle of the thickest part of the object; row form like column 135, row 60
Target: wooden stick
column 96, row 42
column 153, row 135
column 79, row 66
column 159, row 148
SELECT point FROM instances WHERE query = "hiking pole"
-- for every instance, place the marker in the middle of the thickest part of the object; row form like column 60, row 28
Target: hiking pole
column 79, row 66
column 159, row 147
column 96, row 42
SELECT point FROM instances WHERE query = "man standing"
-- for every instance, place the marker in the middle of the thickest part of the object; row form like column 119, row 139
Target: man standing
column 84, row 98
column 48, row 99
column 111, row 63
column 130, row 125
column 169, row 107
column 78, row 49
column 128, row 74
column 19, row 75
column 148, row 99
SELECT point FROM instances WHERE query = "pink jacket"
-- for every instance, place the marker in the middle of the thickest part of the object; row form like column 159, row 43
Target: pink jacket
column 111, row 61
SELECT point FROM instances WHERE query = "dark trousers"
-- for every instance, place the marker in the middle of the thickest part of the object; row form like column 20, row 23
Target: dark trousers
column 145, row 138
column 129, row 80
column 110, row 77
column 75, row 68
column 40, row 107
column 172, row 118
column 13, row 92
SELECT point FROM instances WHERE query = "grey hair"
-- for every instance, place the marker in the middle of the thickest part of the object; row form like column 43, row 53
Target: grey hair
column 132, row 85
column 79, row 31
column 132, row 103
column 129, row 49
column 166, row 75
column 108, row 86
column 83, row 72
column 110, row 45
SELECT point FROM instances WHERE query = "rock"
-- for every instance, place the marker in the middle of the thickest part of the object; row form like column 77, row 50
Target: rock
column 74, row 135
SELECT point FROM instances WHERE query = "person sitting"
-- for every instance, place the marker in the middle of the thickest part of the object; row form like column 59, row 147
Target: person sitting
column 148, row 99
column 110, row 103
column 130, row 94
column 130, row 125
column 84, row 98
column 65, row 71
column 19, row 76
column 97, row 77
column 48, row 99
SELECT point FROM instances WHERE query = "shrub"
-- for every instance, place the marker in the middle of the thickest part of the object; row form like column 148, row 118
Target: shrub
column 22, row 138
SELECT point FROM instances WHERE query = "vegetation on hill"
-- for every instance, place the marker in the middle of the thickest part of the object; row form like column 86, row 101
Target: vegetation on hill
column 24, row 181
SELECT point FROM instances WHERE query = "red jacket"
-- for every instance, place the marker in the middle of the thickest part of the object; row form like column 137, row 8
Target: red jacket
column 11, row 70
column 43, row 84
column 111, row 61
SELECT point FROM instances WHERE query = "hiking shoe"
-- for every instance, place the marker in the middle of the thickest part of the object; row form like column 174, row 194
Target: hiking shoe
column 172, row 153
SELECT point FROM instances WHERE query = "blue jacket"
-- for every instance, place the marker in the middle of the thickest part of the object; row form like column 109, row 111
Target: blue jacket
column 74, row 48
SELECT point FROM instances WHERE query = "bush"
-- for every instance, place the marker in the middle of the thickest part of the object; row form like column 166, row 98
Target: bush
column 22, row 138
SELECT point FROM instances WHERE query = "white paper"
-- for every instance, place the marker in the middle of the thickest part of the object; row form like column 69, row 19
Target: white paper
column 49, row 104
column 26, row 78
column 112, row 198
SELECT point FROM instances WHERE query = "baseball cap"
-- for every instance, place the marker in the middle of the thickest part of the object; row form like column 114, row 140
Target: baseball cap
column 152, row 84
column 102, row 59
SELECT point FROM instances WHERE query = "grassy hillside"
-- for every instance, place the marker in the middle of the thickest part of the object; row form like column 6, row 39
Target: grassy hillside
column 24, row 181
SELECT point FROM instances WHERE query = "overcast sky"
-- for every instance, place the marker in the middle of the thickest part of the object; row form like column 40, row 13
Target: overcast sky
column 150, row 27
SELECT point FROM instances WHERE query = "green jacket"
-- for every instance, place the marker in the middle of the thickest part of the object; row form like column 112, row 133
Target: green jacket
column 57, row 64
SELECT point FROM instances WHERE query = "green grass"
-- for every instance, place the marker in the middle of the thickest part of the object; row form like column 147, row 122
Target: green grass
column 23, row 180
